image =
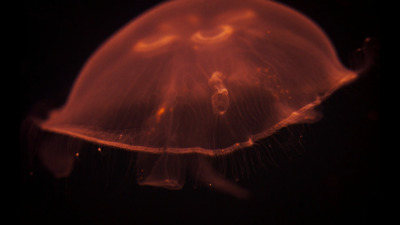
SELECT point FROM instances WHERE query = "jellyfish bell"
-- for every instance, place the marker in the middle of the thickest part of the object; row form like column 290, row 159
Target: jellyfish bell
column 210, row 79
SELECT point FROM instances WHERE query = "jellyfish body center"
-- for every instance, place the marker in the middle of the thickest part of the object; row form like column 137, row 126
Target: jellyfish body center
column 220, row 98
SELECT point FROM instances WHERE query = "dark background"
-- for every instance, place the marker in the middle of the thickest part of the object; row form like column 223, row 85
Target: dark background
column 329, row 176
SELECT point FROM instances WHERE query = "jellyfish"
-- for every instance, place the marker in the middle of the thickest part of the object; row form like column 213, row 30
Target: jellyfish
column 192, row 80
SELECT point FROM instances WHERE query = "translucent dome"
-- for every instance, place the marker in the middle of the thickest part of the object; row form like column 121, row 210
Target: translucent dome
column 205, row 77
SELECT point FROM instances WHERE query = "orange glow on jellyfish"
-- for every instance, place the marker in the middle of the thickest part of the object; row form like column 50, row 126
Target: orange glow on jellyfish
column 211, row 78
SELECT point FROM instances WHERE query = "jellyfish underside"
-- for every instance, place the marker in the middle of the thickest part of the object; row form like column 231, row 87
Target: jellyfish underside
column 209, row 80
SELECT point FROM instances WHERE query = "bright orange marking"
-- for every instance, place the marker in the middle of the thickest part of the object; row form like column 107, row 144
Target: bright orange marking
column 161, row 111
column 144, row 45
column 225, row 32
